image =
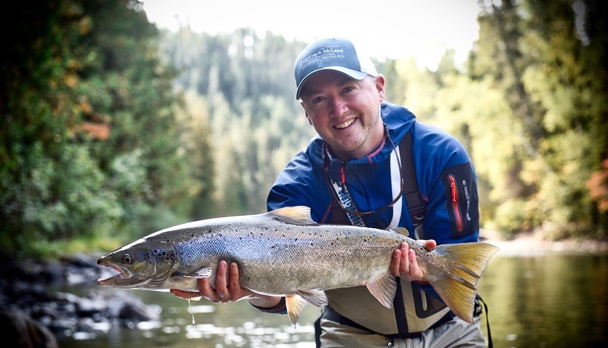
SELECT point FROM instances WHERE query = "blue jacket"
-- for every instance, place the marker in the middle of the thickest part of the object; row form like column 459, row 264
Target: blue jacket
column 445, row 175
column 440, row 161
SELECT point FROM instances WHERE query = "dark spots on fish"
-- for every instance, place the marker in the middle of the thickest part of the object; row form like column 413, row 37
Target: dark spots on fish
column 312, row 244
column 364, row 240
column 296, row 239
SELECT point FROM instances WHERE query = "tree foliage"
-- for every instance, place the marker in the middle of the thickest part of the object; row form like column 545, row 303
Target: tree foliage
column 111, row 128
column 531, row 109
column 89, row 138
column 256, row 125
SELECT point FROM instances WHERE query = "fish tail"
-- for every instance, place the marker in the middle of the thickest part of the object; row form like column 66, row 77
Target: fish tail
column 459, row 287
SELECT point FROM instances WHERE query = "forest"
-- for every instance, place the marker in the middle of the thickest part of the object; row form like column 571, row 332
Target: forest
column 111, row 129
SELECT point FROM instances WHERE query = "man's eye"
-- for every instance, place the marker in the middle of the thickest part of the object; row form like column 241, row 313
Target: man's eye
column 317, row 100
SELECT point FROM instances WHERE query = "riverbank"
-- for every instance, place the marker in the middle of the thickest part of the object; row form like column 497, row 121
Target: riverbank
column 62, row 296
column 535, row 243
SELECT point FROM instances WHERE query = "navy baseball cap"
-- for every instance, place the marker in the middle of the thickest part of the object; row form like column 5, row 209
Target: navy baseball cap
column 331, row 54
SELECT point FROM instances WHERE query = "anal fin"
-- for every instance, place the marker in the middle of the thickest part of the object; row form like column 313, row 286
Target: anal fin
column 315, row 296
column 383, row 289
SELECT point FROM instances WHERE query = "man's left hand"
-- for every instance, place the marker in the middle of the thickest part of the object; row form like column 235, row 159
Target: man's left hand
column 404, row 263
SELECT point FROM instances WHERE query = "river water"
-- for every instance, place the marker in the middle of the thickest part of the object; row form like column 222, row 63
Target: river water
column 544, row 300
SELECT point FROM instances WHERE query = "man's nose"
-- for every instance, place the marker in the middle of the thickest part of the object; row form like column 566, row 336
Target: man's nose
column 338, row 106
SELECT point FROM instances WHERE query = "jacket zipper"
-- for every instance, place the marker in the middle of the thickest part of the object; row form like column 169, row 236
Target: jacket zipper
column 455, row 206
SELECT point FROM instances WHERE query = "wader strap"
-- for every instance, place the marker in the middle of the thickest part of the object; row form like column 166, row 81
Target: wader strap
column 485, row 308
column 338, row 215
column 415, row 205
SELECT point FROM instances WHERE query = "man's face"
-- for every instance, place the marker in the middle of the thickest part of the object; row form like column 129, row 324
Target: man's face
column 345, row 112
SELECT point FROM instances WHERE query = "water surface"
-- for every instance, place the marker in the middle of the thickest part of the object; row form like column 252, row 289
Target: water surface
column 552, row 300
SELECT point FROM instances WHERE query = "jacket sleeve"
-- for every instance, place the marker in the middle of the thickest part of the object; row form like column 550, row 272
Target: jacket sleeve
column 449, row 181
column 300, row 184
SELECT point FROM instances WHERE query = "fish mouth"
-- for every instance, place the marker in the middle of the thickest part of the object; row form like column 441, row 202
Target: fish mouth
column 123, row 274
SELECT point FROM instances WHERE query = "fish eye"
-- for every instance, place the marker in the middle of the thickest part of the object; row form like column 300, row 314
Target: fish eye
column 127, row 259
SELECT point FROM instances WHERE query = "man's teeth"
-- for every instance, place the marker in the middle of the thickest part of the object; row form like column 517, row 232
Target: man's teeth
column 345, row 124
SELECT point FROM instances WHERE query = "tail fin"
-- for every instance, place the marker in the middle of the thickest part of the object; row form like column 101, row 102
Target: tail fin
column 467, row 261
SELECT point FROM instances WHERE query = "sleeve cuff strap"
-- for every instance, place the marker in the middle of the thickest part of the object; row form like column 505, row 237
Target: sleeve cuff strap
column 279, row 308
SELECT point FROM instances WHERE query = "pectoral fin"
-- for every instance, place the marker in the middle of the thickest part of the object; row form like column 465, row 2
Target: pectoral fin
column 384, row 288
column 315, row 296
column 295, row 304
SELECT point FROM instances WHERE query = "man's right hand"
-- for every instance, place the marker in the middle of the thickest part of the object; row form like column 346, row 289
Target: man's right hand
column 227, row 289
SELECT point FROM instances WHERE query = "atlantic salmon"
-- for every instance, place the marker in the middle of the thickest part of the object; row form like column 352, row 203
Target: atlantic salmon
column 286, row 253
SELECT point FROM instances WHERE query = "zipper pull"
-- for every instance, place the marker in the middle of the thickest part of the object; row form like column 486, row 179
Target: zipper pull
column 453, row 186
column 342, row 177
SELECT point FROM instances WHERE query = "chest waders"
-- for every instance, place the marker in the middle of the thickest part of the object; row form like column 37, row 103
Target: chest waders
column 413, row 310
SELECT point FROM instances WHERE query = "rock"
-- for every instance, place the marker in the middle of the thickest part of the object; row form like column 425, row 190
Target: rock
column 31, row 288
column 20, row 331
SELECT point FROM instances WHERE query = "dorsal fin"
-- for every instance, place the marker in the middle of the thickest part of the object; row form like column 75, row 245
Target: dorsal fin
column 298, row 214
column 401, row 230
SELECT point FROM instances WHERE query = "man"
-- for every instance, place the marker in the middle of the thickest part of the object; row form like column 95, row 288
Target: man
column 355, row 172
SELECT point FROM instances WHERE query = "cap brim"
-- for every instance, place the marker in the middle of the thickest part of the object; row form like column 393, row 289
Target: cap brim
column 357, row 75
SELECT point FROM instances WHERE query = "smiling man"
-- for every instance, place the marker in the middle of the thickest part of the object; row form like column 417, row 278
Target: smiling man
column 373, row 164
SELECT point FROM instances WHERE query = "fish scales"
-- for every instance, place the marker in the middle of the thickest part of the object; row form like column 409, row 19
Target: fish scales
column 275, row 257
column 285, row 253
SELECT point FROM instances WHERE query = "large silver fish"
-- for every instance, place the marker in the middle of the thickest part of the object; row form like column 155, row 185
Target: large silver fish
column 285, row 253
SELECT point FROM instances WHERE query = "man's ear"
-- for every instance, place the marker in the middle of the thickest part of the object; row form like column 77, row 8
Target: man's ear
column 380, row 87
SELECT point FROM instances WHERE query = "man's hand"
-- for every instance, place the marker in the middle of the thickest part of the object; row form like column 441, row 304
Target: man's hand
column 227, row 289
column 404, row 263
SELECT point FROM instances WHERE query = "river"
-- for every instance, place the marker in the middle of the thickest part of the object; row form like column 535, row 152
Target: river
column 542, row 300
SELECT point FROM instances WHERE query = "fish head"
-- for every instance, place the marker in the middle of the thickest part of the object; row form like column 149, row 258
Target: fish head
column 142, row 264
